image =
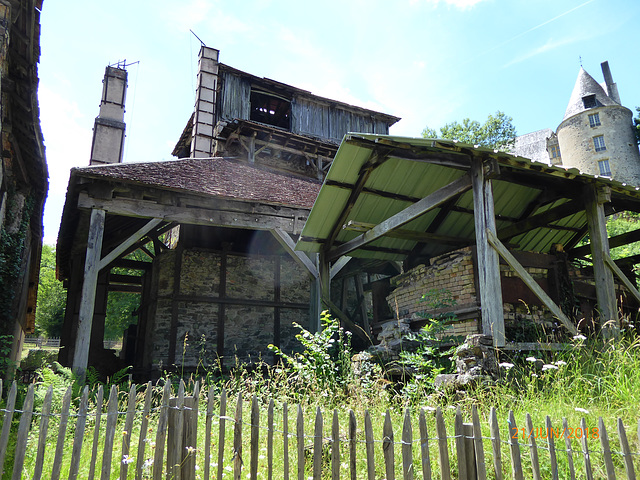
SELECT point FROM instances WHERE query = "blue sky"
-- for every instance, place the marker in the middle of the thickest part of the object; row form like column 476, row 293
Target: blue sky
column 427, row 61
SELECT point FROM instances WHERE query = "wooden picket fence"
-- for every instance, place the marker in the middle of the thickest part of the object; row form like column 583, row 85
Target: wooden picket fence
column 81, row 442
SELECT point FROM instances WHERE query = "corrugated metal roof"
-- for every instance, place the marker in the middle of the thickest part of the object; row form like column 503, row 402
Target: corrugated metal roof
column 417, row 167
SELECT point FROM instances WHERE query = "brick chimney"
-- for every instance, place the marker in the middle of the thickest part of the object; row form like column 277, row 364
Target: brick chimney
column 204, row 119
column 612, row 88
column 108, row 129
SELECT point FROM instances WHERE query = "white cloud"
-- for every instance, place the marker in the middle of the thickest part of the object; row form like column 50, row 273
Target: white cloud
column 550, row 45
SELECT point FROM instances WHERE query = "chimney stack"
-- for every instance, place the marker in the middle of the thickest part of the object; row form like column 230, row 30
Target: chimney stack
column 204, row 118
column 612, row 88
column 108, row 129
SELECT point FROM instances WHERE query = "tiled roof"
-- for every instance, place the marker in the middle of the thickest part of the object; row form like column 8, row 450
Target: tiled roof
column 586, row 85
column 220, row 177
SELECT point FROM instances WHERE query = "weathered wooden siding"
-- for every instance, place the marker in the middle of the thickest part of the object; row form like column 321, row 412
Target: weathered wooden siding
column 326, row 121
column 235, row 96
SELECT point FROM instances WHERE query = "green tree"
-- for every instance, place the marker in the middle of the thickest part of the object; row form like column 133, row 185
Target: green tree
column 496, row 132
column 636, row 125
column 52, row 296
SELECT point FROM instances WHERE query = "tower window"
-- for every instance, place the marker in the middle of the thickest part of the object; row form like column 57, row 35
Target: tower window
column 554, row 151
column 589, row 101
column 594, row 120
column 605, row 169
column 598, row 142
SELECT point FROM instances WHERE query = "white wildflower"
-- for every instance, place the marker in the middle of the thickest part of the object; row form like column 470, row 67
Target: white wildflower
column 582, row 410
column 549, row 367
column 147, row 463
column 228, row 468
column 506, row 365
column 531, row 359
column 560, row 363
column 126, row 459
column 579, row 338
column 190, row 450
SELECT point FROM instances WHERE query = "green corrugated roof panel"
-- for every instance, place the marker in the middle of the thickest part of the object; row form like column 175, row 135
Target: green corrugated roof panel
column 411, row 180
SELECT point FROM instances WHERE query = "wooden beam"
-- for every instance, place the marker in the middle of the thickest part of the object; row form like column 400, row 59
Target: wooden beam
column 362, row 304
column 339, row 265
column 422, row 237
column 620, row 274
column 88, row 296
column 377, row 158
column 195, row 216
column 605, row 288
column 617, row 241
column 403, row 217
column 541, row 220
column 120, row 249
column 488, row 268
column 530, row 282
column 289, row 246
column 355, row 329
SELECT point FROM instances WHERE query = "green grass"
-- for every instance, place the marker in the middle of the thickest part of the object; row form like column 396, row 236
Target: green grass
column 592, row 380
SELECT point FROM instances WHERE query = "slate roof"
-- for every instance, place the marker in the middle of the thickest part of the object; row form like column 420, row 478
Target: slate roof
column 222, row 177
column 586, row 85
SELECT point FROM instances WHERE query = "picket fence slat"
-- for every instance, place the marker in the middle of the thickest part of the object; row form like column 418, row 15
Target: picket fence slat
column 285, row 439
column 481, row 469
column 585, row 450
column 96, row 433
column 300, row 443
column 207, row 434
column 353, row 431
column 424, row 446
column 174, row 438
column 317, row 446
column 126, row 434
column 221, row 433
column 387, row 447
column 533, row 448
column 161, row 433
column 552, row 449
column 443, row 448
column 606, row 450
column 270, row 441
column 237, row 441
column 23, row 434
column 495, row 443
column 458, row 432
column 81, row 423
column 368, row 434
column 516, row 460
column 407, row 445
column 626, row 452
column 335, row 447
column 6, row 424
column 42, row 436
column 567, row 442
column 110, row 432
column 64, row 419
column 255, row 422
column 142, row 439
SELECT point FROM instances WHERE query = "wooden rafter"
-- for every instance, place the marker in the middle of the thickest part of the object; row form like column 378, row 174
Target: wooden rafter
column 541, row 220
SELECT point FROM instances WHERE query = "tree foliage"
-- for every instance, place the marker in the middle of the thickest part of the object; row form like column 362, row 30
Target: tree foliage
column 52, row 296
column 636, row 125
column 496, row 132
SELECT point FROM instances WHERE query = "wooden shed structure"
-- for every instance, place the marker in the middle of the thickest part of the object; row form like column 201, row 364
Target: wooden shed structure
column 217, row 228
column 412, row 200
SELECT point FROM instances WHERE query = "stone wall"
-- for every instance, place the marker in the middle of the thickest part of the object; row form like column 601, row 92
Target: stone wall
column 249, row 323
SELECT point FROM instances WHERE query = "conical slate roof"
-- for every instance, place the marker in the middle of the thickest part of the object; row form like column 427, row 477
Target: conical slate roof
column 585, row 86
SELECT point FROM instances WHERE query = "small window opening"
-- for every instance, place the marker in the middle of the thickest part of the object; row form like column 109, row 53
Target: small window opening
column 270, row 109
column 594, row 120
column 589, row 101
column 554, row 150
column 605, row 169
column 598, row 143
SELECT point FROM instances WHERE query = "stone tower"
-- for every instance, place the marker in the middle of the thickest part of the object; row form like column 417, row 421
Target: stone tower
column 596, row 134
column 108, row 129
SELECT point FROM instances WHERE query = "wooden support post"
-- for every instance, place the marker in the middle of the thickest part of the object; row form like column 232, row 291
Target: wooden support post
column 315, row 304
column 324, row 276
column 605, row 290
column 339, row 265
column 488, row 261
column 87, row 303
column 363, row 304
